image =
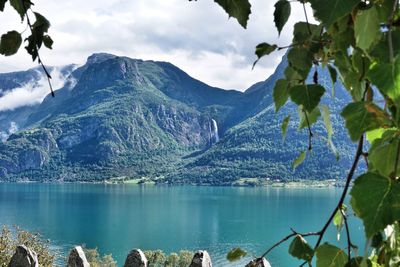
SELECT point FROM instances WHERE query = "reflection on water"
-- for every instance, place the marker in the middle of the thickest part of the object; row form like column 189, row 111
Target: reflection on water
column 117, row 218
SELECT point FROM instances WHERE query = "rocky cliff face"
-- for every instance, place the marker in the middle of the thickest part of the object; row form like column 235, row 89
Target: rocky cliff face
column 118, row 110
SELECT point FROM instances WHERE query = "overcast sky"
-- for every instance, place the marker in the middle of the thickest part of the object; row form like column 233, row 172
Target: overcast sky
column 195, row 36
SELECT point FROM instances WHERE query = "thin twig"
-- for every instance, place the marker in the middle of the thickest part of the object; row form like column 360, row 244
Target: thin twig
column 390, row 41
column 349, row 244
column 294, row 233
column 396, row 165
column 310, row 134
column 305, row 14
column 287, row 46
column 367, row 86
column 346, row 188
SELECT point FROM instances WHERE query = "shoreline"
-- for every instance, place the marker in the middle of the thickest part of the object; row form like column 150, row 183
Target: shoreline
column 251, row 182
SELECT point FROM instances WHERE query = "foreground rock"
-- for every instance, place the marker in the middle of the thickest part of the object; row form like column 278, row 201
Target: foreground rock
column 77, row 258
column 24, row 257
column 136, row 258
column 259, row 263
column 201, row 259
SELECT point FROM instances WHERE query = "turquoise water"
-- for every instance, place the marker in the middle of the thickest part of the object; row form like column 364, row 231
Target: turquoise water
column 117, row 218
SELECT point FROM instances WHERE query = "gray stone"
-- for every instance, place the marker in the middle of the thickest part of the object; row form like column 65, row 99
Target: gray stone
column 201, row 259
column 260, row 262
column 24, row 257
column 136, row 258
column 77, row 258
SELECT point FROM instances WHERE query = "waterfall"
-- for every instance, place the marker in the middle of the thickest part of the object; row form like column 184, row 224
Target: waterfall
column 214, row 131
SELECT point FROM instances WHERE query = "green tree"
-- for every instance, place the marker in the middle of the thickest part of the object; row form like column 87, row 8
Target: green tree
column 9, row 240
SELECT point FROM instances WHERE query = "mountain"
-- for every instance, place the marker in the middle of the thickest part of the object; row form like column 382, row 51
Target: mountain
column 21, row 93
column 254, row 147
column 122, row 117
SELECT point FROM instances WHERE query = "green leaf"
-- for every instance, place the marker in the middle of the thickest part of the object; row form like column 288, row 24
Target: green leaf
column 327, row 120
column 47, row 41
column 374, row 134
column 299, row 159
column 363, row 116
column 376, row 200
column 301, row 59
column 386, row 76
column 10, row 43
column 301, row 32
column 333, row 149
column 342, row 34
column 284, row 127
column 263, row 49
column 330, row 256
column 383, row 153
column 292, row 75
column 360, row 262
column 281, row 14
column 21, row 6
column 312, row 117
column 2, row 4
column 308, row 95
column 239, row 9
column 367, row 28
column 36, row 39
column 235, row 254
column 333, row 75
column 377, row 240
column 281, row 93
column 41, row 24
column 330, row 11
column 338, row 219
column 300, row 249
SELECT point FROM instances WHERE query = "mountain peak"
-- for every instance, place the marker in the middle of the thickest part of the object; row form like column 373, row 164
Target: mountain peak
column 99, row 57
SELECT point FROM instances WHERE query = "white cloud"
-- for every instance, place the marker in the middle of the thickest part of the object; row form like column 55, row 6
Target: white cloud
column 32, row 92
column 5, row 134
column 195, row 36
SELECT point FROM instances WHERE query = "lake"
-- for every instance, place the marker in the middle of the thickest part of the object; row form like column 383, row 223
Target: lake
column 117, row 218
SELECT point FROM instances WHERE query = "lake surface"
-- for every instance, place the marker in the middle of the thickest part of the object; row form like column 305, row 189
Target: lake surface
column 117, row 218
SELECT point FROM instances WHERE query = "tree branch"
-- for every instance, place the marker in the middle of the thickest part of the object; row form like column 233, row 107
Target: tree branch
column 397, row 161
column 48, row 76
column 346, row 188
column 349, row 244
column 294, row 233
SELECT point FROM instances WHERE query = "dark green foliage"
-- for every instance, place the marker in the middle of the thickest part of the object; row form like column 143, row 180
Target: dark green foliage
column 10, row 43
column 300, row 249
column 328, row 255
column 21, row 6
column 281, row 14
column 308, row 95
column 239, row 9
column 235, row 254
column 264, row 49
column 95, row 260
column 157, row 258
column 9, row 240
column 375, row 199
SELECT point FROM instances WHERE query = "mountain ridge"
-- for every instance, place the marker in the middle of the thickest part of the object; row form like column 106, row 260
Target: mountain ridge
column 122, row 117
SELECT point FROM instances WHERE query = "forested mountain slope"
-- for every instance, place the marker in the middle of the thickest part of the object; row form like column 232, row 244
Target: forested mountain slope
column 122, row 117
